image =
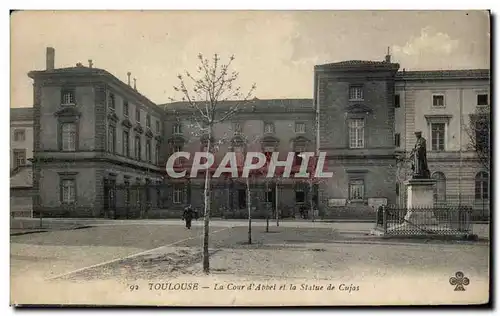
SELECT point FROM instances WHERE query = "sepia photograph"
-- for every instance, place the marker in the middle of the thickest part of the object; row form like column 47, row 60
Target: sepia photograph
column 250, row 158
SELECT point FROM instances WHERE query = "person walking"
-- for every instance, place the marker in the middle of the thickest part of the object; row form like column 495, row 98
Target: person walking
column 188, row 216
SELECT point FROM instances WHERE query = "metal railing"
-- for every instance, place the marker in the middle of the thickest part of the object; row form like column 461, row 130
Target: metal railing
column 424, row 221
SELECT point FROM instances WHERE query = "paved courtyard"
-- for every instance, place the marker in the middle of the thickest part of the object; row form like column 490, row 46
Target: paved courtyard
column 123, row 263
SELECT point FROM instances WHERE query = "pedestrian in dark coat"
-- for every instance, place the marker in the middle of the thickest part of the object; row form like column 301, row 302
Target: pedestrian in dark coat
column 188, row 216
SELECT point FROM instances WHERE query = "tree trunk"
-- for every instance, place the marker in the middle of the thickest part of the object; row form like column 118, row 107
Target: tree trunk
column 249, row 206
column 276, row 206
column 206, row 220
column 311, row 199
column 267, row 208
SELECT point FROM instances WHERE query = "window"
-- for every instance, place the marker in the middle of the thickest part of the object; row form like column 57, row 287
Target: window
column 148, row 150
column 19, row 157
column 177, row 128
column 482, row 186
column 355, row 93
column 237, row 127
column 397, row 101
column 357, row 133
column 482, row 99
column 138, row 115
column 437, row 136
column 270, row 195
column 148, row 121
column 68, row 136
column 111, row 101
column 125, row 108
column 137, row 148
column 440, row 187
column 300, row 195
column 268, row 128
column 157, row 154
column 356, row 189
column 157, row 126
column 111, row 139
column 126, row 183
column 178, row 148
column 178, row 194
column 126, row 144
column 242, row 198
column 438, row 100
column 19, row 135
column 300, row 128
column 68, row 97
column 397, row 139
column 68, row 190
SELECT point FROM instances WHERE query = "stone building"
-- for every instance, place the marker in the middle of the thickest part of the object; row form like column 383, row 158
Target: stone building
column 355, row 106
column 21, row 154
column 278, row 125
column 441, row 105
column 100, row 147
column 90, row 130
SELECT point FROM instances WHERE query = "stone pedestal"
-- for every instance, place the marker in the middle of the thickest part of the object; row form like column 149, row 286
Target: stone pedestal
column 420, row 196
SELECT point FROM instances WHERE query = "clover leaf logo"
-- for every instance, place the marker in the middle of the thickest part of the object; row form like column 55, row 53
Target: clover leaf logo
column 459, row 281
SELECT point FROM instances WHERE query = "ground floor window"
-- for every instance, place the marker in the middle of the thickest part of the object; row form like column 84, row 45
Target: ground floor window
column 68, row 190
column 242, row 198
column 178, row 194
column 356, row 189
column 300, row 195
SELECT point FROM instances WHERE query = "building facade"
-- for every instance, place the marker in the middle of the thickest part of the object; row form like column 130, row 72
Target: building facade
column 442, row 105
column 105, row 145
column 356, row 113
column 21, row 154
column 90, row 130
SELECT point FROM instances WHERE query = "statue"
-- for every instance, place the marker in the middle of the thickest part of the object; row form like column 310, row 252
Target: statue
column 418, row 157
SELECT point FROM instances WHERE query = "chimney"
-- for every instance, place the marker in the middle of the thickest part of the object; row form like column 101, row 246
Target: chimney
column 135, row 87
column 388, row 56
column 50, row 58
column 128, row 75
column 90, row 63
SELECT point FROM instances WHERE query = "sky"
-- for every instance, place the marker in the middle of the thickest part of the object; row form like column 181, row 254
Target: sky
column 276, row 50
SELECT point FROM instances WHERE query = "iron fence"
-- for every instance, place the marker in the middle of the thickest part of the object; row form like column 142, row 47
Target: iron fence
column 425, row 221
column 480, row 206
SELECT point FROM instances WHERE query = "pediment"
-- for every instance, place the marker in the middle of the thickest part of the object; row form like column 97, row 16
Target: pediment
column 113, row 117
column 269, row 139
column 68, row 112
column 126, row 122
column 238, row 139
column 358, row 108
column 300, row 139
column 175, row 139
column 138, row 128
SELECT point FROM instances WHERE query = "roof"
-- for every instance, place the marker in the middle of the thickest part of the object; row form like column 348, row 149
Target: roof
column 444, row 74
column 22, row 177
column 85, row 71
column 358, row 64
column 265, row 105
column 21, row 114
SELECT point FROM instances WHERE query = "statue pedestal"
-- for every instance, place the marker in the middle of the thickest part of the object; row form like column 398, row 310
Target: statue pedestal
column 420, row 198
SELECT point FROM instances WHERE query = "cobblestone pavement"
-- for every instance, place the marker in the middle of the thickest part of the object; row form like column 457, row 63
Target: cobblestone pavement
column 145, row 253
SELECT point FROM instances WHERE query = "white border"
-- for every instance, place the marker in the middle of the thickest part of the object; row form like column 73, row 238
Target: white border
column 186, row 4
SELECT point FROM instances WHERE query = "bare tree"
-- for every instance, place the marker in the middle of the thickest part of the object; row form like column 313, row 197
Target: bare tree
column 479, row 132
column 213, row 84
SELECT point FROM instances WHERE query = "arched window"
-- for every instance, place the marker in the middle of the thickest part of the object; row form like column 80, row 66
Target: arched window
column 482, row 186
column 440, row 188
